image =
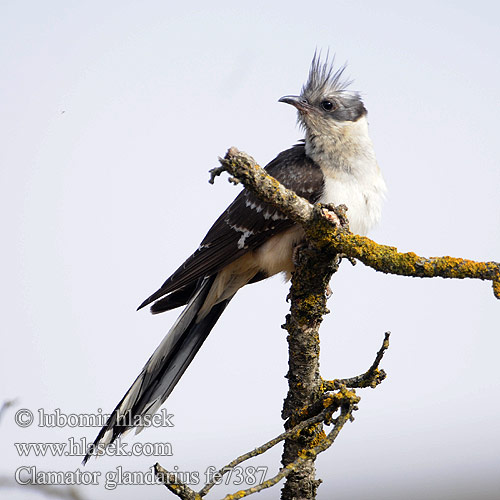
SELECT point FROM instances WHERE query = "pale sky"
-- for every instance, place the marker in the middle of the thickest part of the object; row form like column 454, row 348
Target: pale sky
column 113, row 112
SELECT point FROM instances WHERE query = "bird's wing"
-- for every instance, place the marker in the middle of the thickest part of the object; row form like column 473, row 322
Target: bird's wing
column 247, row 222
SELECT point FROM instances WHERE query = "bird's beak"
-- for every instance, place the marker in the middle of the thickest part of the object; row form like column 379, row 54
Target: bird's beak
column 296, row 100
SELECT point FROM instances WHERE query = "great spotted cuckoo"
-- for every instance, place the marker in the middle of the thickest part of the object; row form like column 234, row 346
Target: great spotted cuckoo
column 251, row 240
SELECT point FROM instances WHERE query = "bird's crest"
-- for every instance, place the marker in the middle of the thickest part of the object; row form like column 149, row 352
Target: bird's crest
column 325, row 80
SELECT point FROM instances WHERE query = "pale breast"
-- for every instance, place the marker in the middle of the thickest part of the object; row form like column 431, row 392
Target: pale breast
column 363, row 198
column 351, row 174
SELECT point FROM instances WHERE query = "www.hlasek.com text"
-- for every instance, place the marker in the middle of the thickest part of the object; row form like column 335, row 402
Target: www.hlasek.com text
column 74, row 448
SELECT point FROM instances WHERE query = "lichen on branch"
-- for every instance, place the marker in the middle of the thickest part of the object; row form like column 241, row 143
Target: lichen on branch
column 323, row 230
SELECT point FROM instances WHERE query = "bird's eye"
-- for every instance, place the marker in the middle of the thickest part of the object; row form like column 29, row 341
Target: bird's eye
column 328, row 105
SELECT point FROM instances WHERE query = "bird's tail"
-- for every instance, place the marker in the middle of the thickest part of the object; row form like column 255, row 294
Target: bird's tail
column 163, row 369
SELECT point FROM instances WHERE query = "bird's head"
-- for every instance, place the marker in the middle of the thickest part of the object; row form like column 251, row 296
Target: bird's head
column 325, row 105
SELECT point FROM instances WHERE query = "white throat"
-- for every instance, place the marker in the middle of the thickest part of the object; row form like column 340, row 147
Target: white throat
column 352, row 176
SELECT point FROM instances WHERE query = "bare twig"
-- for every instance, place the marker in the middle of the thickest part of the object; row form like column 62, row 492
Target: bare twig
column 370, row 378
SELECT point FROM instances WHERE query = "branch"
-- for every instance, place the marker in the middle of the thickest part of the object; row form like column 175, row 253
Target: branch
column 307, row 455
column 321, row 417
column 388, row 260
column 308, row 295
column 244, row 168
column 345, row 400
column 310, row 402
column 171, row 481
column 370, row 378
column 324, row 231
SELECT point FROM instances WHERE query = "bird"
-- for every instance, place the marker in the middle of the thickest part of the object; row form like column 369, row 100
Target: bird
column 334, row 163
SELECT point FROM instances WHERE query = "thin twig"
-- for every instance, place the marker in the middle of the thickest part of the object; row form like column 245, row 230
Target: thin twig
column 326, row 442
column 371, row 378
column 321, row 417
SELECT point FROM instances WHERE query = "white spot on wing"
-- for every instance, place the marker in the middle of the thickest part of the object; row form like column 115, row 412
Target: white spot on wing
column 278, row 216
column 253, row 206
column 245, row 234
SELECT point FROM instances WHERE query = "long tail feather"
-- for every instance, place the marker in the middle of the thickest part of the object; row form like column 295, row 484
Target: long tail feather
column 163, row 369
column 175, row 299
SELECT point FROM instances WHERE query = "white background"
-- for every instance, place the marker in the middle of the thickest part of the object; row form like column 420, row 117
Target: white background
column 111, row 115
